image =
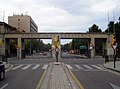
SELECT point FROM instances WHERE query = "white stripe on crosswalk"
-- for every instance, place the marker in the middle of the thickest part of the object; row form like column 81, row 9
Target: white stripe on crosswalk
column 96, row 67
column 36, row 66
column 88, row 67
column 78, row 66
column 26, row 67
column 69, row 67
column 17, row 67
column 45, row 67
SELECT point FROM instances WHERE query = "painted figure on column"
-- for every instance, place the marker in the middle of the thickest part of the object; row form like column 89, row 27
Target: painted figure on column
column 57, row 46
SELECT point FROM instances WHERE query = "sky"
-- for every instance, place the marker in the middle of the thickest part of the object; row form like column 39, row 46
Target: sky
column 63, row 15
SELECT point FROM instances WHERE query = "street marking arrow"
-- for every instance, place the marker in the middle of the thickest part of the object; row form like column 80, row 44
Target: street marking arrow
column 114, row 86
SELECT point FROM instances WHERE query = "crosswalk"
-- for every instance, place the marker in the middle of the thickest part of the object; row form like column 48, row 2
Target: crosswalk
column 29, row 66
column 85, row 67
column 69, row 66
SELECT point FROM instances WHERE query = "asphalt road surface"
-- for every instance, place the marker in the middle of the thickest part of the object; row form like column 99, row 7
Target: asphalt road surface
column 27, row 72
column 91, row 74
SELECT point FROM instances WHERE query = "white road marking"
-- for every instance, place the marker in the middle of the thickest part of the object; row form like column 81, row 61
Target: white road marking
column 69, row 67
column 45, row 67
column 36, row 66
column 78, row 66
column 4, row 86
column 24, row 68
column 87, row 67
column 114, row 86
column 96, row 67
column 17, row 67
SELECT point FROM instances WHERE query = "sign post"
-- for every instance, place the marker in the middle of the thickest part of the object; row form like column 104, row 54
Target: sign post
column 114, row 46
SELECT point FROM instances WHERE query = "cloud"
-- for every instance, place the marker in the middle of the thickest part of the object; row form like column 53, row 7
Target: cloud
column 62, row 15
column 104, row 6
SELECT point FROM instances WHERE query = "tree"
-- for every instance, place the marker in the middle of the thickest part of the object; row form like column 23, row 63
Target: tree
column 94, row 28
column 110, row 27
column 115, row 27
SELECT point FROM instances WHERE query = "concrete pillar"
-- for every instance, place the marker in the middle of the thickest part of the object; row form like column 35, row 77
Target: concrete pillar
column 7, row 47
column 19, row 47
column 109, row 48
column 93, row 48
column 23, row 48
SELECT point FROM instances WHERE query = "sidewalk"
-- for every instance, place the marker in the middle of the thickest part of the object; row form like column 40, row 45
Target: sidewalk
column 56, row 77
column 110, row 65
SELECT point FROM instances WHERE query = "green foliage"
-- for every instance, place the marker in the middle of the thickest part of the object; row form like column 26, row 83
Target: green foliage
column 36, row 45
column 115, row 27
column 110, row 27
column 94, row 28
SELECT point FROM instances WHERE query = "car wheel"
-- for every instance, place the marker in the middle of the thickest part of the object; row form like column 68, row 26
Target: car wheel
column 2, row 75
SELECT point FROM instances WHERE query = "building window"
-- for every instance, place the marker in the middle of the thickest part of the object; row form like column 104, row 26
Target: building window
column 18, row 27
column 18, row 19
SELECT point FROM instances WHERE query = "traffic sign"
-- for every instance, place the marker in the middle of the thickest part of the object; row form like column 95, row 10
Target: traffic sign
column 114, row 46
column 91, row 45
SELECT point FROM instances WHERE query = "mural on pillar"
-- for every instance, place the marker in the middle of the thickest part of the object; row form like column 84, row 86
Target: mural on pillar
column 57, row 42
column 1, row 42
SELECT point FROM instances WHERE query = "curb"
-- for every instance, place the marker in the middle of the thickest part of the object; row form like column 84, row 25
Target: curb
column 9, row 68
column 113, row 69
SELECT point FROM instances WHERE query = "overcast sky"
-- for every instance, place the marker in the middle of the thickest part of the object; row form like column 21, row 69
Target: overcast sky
column 63, row 15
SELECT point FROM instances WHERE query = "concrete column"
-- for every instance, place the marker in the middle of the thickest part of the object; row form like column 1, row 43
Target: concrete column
column 53, row 48
column 23, row 48
column 19, row 52
column 109, row 48
column 93, row 48
column 7, row 47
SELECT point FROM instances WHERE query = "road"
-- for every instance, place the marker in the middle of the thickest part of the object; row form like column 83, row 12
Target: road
column 27, row 72
column 91, row 74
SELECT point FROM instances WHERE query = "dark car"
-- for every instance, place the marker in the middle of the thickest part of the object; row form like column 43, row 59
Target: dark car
column 2, row 71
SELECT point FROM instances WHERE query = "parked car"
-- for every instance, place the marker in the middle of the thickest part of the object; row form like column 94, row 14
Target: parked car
column 2, row 71
column 44, row 53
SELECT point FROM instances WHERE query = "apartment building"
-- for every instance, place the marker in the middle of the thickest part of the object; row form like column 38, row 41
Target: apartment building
column 23, row 23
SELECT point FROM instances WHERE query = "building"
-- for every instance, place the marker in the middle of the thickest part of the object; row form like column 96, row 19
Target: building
column 6, row 28
column 23, row 23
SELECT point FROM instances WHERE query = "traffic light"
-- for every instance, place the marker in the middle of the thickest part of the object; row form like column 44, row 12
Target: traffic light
column 113, row 40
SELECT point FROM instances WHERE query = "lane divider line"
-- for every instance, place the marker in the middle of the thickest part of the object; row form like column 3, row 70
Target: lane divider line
column 78, row 82
column 41, row 80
